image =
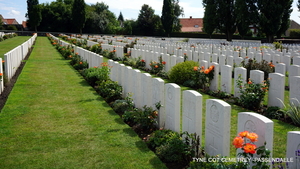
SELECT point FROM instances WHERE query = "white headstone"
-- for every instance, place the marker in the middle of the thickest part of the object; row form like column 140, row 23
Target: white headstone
column 217, row 127
column 226, row 78
column 280, row 68
column 293, row 149
column 257, row 76
column 172, row 106
column 276, row 90
column 259, row 124
column 159, row 97
column 295, row 90
column 192, row 112
column 214, row 84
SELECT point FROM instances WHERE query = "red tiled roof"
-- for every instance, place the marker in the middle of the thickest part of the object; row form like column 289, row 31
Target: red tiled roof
column 11, row 21
column 191, row 24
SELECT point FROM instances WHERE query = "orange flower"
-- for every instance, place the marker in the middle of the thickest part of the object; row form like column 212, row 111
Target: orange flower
column 206, row 71
column 76, row 53
column 3, row 61
column 114, row 50
column 70, row 56
column 184, row 53
column 211, row 67
column 142, row 60
column 1, row 74
column 243, row 133
column 202, row 67
column 238, row 142
column 80, row 62
column 250, row 148
column 156, row 66
column 249, row 82
column 95, row 66
column 195, row 68
column 252, row 136
column 163, row 62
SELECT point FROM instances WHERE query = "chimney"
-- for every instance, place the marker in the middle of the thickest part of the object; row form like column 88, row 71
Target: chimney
column 191, row 17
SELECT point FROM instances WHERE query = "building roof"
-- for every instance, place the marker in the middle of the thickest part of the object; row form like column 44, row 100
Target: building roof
column 11, row 21
column 191, row 24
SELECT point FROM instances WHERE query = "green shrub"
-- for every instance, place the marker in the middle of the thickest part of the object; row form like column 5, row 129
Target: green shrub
column 182, row 72
column 263, row 66
column 295, row 33
column 121, row 106
column 110, row 90
column 97, row 74
column 96, row 48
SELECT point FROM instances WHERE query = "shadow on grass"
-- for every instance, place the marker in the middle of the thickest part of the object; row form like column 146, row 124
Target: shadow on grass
column 129, row 132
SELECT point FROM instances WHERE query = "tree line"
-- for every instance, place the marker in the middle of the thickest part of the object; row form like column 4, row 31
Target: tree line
column 270, row 17
column 78, row 17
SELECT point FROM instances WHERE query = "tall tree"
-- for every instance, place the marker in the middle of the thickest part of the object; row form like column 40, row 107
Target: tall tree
column 242, row 17
column 226, row 17
column 178, row 10
column 145, row 20
column 79, row 14
column 210, row 17
column 121, row 19
column 167, row 17
column 285, row 21
column 270, row 17
column 33, row 13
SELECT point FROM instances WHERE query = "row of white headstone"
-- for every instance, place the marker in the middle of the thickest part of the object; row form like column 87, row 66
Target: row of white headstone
column 13, row 59
column 147, row 91
column 277, row 79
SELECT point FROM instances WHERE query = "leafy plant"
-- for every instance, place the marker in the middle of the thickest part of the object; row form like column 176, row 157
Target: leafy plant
column 252, row 94
column 110, row 90
column 182, row 72
column 121, row 106
column 263, row 66
column 97, row 74
column 202, row 77
column 157, row 67
column 294, row 112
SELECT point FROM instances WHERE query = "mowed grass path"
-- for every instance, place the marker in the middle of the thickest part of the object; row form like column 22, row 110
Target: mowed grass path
column 9, row 44
column 54, row 119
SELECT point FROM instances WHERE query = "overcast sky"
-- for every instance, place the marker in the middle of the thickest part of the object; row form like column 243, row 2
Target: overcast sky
column 129, row 8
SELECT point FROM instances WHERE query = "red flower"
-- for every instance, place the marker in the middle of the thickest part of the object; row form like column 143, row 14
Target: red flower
column 238, row 142
column 156, row 66
column 252, row 137
column 249, row 148
column 195, row 68
column 244, row 133
column 142, row 60
column 80, row 62
column 163, row 62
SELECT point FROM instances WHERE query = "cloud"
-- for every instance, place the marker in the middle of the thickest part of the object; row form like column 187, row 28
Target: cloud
column 14, row 12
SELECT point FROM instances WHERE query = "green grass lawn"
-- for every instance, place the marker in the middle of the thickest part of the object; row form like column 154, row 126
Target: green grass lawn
column 54, row 119
column 9, row 44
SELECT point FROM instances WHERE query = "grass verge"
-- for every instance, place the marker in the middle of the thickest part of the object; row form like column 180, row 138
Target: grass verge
column 11, row 43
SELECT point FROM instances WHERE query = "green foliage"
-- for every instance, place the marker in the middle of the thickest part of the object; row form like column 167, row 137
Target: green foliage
column 167, row 17
column 110, row 90
column 147, row 21
column 295, row 33
column 263, row 66
column 278, row 45
column 121, row 106
column 182, row 72
column 79, row 14
column 34, row 13
column 201, row 77
column 210, row 17
column 252, row 94
column 294, row 112
column 157, row 67
column 97, row 74
column 171, row 146
column 96, row 48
